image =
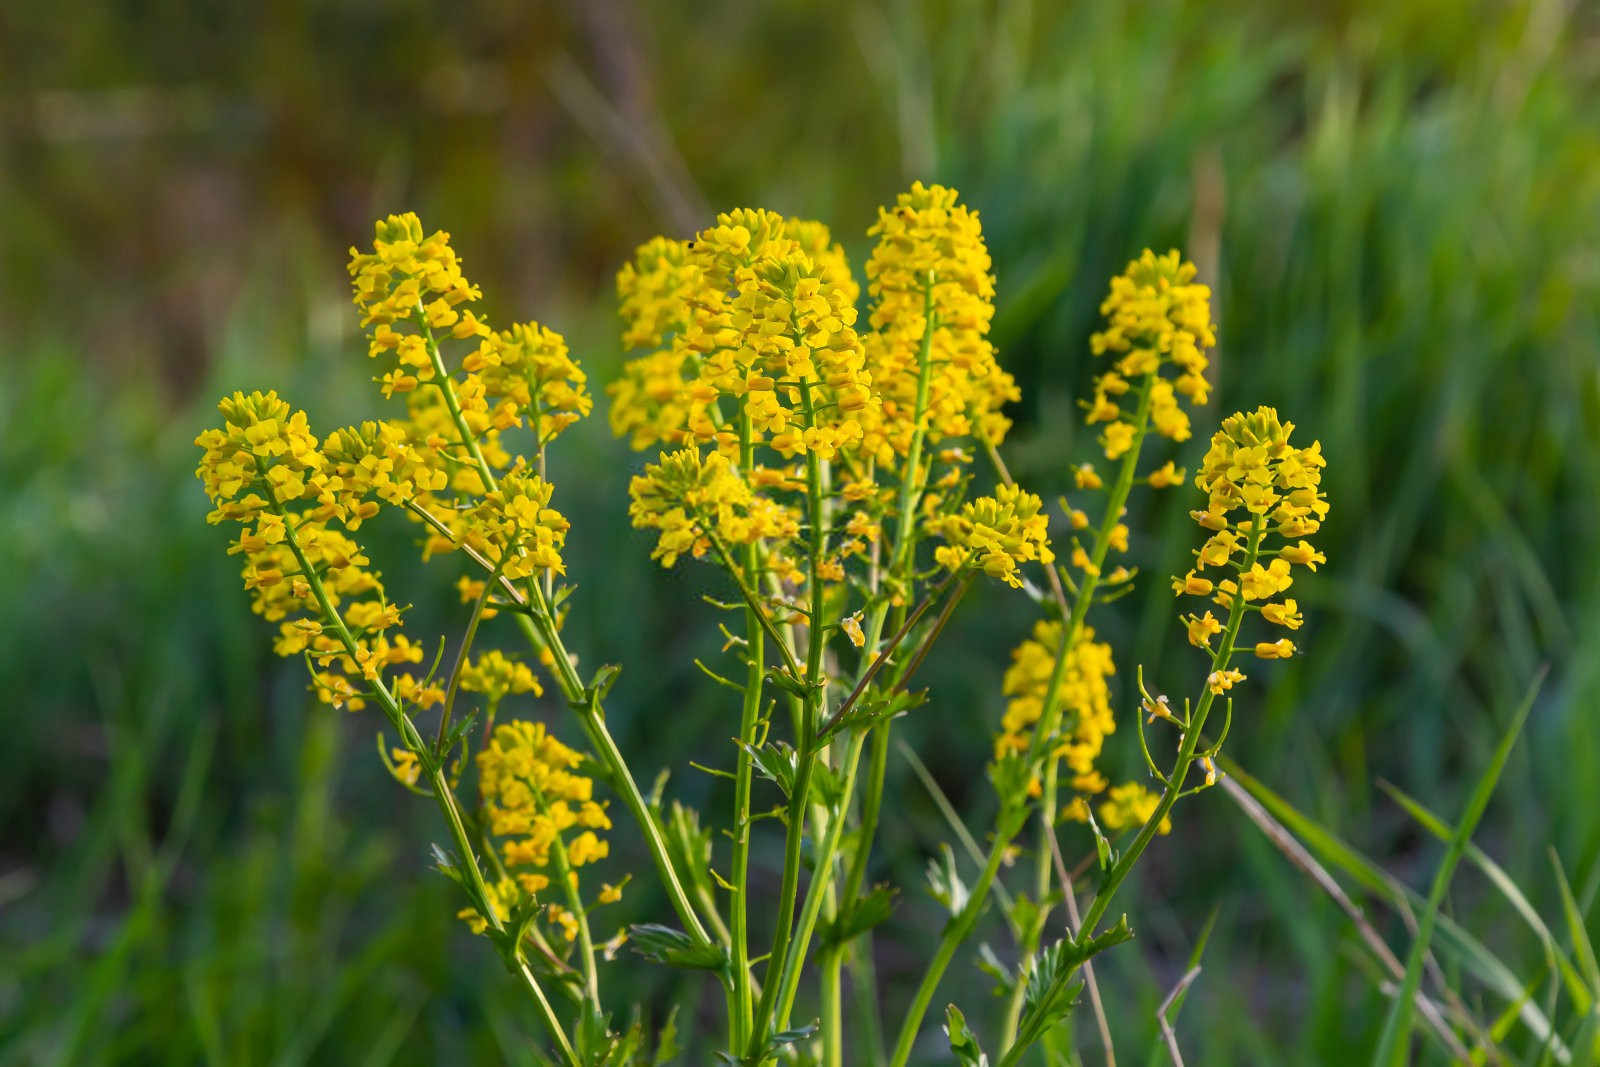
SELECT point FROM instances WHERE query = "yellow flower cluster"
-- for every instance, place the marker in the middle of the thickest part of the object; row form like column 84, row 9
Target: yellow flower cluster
column 997, row 534
column 751, row 342
column 692, row 499
column 1127, row 807
column 527, row 371
column 1157, row 316
column 514, row 527
column 757, row 315
column 496, row 676
column 531, row 797
column 411, row 292
column 265, row 470
column 1264, row 499
column 409, row 278
column 1082, row 695
column 930, row 279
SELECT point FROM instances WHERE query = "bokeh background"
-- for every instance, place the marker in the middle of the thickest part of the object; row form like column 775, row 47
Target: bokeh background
column 1398, row 205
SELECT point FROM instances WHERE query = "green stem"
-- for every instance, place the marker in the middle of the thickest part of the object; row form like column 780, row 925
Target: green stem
column 755, row 639
column 811, row 715
column 541, row 631
column 444, row 796
column 956, row 931
column 1186, row 750
column 899, row 565
column 1071, row 626
column 1180, row 767
column 821, row 881
column 569, row 886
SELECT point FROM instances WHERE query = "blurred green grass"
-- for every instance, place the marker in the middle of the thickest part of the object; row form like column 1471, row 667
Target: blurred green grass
column 1398, row 206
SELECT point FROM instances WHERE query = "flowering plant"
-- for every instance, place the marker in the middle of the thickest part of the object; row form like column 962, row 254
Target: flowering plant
column 827, row 468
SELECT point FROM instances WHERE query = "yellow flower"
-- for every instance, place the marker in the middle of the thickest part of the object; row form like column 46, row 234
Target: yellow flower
column 929, row 277
column 1087, row 477
column 1302, row 554
column 1117, row 439
column 496, row 676
column 851, row 624
column 1259, row 583
column 752, row 301
column 690, row 499
column 1285, row 614
column 1166, row 476
column 1260, row 489
column 532, row 794
column 407, row 275
column 1222, row 681
column 263, row 469
column 1201, row 629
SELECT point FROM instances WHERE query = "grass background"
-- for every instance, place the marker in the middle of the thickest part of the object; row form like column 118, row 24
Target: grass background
column 1398, row 206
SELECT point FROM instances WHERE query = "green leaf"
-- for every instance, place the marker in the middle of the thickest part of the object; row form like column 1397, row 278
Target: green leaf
column 875, row 706
column 867, row 912
column 664, row 944
column 1577, row 929
column 944, row 881
column 445, row 863
column 1052, row 983
column 1395, row 1042
column 774, row 762
column 667, row 1040
column 1471, row 953
column 963, row 1042
column 775, row 1044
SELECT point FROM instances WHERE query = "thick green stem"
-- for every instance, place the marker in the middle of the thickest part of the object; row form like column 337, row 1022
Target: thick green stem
column 806, row 757
column 821, row 882
column 956, row 931
column 755, row 640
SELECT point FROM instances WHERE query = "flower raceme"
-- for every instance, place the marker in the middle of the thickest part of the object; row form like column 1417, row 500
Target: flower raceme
column 531, row 800
column 1158, row 317
column 997, row 535
column 930, row 279
column 1264, row 497
column 266, row 470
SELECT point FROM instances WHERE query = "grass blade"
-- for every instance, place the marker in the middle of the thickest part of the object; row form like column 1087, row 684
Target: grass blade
column 1394, row 1043
column 1508, row 888
column 1581, row 945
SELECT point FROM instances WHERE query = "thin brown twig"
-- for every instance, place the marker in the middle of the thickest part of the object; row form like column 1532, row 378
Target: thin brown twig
column 888, row 650
column 1167, row 1033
